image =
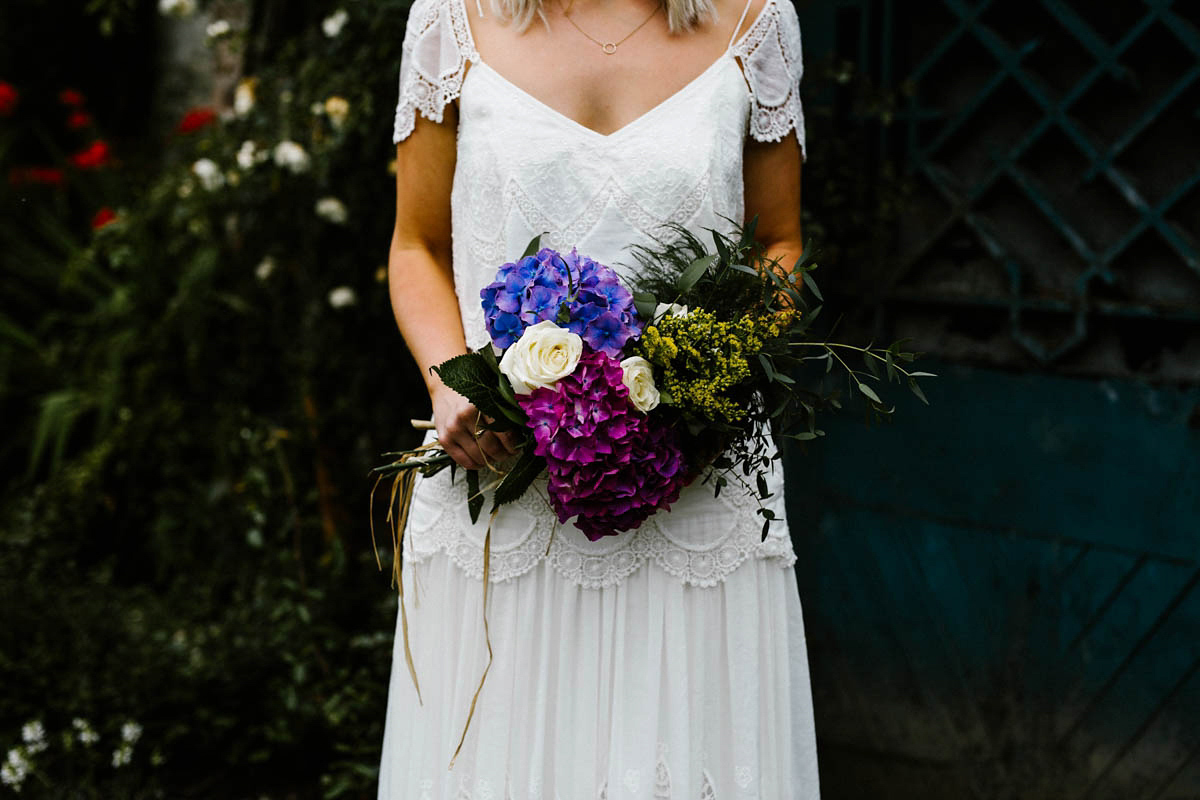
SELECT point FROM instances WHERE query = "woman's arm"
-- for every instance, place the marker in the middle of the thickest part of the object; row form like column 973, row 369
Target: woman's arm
column 421, row 284
column 771, row 173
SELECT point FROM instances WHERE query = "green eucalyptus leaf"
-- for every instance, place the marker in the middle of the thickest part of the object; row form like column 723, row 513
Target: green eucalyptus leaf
column 645, row 303
column 534, row 245
column 912, row 384
column 692, row 275
column 869, row 392
column 812, row 286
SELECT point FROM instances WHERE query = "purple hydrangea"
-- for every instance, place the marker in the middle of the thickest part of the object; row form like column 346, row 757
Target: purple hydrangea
column 538, row 287
column 610, row 465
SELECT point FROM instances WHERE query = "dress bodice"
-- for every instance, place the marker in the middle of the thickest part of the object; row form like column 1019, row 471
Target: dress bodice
column 525, row 169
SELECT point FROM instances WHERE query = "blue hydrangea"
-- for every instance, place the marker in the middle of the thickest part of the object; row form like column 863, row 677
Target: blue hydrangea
column 542, row 286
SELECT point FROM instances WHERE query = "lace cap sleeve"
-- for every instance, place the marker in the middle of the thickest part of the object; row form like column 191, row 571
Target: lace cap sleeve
column 772, row 62
column 433, row 60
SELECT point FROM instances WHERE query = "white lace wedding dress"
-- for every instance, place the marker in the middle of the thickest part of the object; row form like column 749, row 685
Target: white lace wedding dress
column 666, row 662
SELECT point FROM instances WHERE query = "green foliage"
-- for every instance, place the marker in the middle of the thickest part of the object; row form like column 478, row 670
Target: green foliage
column 190, row 396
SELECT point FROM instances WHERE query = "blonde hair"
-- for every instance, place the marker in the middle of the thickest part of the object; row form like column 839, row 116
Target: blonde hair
column 682, row 15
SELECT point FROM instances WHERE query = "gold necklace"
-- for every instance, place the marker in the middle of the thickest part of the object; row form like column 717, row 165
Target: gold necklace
column 609, row 48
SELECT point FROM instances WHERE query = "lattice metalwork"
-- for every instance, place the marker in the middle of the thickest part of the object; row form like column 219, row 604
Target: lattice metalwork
column 1055, row 146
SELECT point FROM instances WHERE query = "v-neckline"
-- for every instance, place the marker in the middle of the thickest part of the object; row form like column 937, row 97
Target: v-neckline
column 477, row 61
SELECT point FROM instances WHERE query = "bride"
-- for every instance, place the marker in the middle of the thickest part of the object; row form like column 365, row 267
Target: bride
column 664, row 662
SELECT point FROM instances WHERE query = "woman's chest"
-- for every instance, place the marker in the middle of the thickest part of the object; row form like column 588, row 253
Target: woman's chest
column 509, row 136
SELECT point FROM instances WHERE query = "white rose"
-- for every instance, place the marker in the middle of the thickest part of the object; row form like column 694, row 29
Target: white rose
column 669, row 309
column 544, row 354
column 638, row 377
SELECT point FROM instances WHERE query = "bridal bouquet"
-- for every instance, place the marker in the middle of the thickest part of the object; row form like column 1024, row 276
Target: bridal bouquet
column 624, row 394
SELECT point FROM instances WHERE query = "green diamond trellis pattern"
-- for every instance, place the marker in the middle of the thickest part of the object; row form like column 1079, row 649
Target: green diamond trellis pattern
column 1012, row 117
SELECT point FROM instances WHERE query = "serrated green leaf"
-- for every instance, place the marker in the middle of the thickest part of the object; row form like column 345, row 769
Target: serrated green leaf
column 474, row 496
column 692, row 275
column 470, row 376
column 523, row 473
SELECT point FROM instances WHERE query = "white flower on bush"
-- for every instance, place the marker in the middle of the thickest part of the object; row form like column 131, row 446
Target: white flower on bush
column 84, row 729
column 337, row 108
column 177, row 8
column 209, row 174
column 122, row 756
column 543, row 355
column 243, row 97
column 342, row 297
column 638, row 377
column 264, row 268
column 131, row 732
column 333, row 24
column 34, row 736
column 16, row 767
column 292, row 156
column 217, row 29
column 669, row 310
column 332, row 210
column 247, row 155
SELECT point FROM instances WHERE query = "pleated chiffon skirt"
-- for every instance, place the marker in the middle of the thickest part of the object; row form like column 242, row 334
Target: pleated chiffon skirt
column 647, row 688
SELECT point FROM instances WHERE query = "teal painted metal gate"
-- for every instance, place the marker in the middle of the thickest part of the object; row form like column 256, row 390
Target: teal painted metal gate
column 1002, row 590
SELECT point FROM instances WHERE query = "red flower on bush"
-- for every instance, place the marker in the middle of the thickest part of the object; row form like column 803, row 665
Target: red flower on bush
column 71, row 97
column 196, row 119
column 96, row 155
column 79, row 119
column 104, row 216
column 51, row 176
column 8, row 98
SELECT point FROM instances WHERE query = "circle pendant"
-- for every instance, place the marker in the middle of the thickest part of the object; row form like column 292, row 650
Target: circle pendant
column 609, row 48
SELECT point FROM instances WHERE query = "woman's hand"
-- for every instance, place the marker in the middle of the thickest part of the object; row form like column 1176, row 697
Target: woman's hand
column 458, row 421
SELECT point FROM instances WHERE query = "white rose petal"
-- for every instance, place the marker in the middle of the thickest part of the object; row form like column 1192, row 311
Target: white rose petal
column 543, row 355
column 243, row 97
column 638, row 377
column 209, row 174
column 292, row 156
column 669, row 309
column 342, row 297
column 333, row 210
column 216, row 30
column 333, row 24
